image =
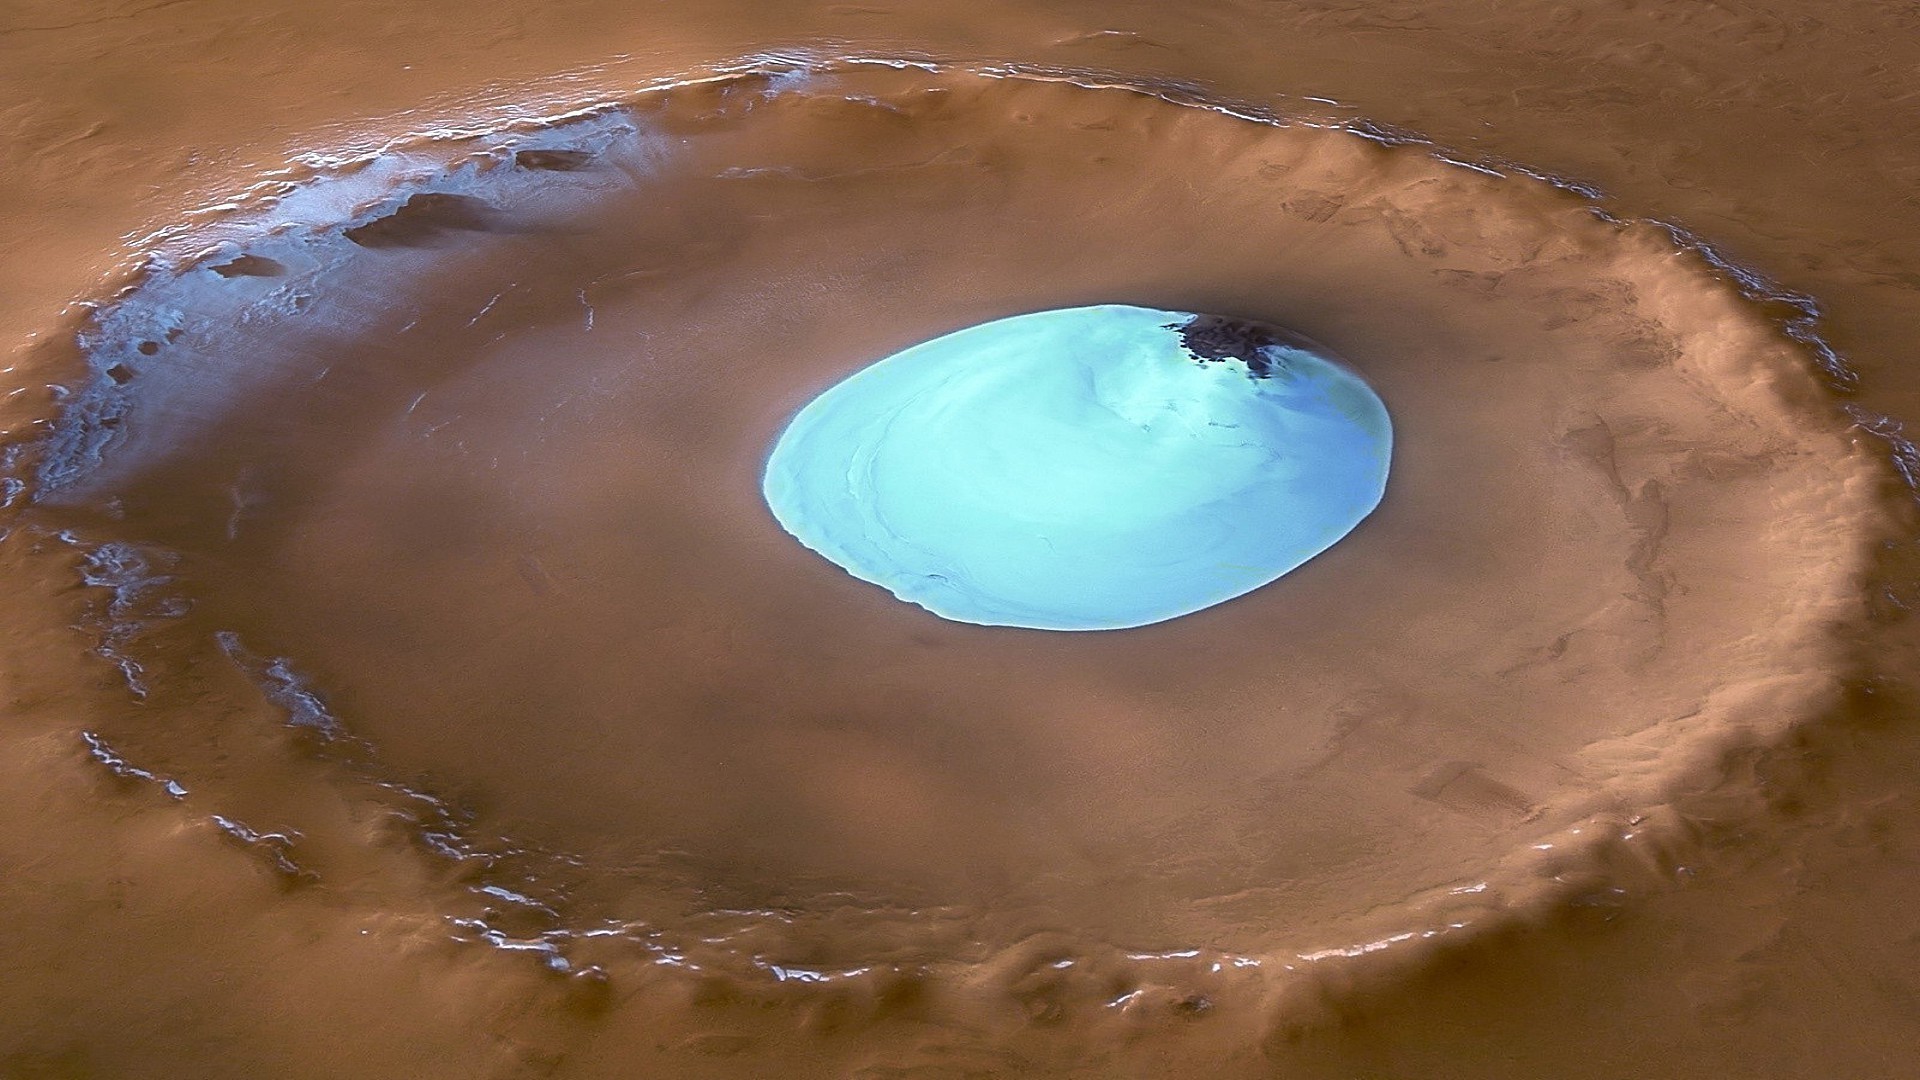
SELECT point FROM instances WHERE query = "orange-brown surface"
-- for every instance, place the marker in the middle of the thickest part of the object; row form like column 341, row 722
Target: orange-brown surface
column 403, row 678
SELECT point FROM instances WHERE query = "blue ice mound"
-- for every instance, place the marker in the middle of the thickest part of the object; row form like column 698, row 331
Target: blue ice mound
column 1089, row 468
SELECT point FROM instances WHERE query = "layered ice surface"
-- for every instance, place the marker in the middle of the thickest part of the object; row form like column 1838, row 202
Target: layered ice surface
column 1089, row 468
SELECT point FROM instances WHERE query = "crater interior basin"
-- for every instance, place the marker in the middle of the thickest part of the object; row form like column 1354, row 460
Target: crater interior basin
column 1090, row 468
column 455, row 461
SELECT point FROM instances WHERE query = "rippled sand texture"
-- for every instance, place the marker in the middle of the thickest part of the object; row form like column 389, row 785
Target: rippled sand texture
column 408, row 503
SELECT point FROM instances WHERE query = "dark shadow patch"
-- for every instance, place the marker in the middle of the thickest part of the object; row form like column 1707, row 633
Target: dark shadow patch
column 553, row 160
column 423, row 220
column 1216, row 337
column 249, row 266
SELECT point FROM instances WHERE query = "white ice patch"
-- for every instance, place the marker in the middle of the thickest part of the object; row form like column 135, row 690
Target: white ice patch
column 1080, row 469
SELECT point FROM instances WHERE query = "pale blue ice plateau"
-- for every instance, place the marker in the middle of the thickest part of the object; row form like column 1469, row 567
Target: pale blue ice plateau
column 1082, row 468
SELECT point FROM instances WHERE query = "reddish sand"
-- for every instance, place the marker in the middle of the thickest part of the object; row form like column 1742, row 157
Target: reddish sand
column 406, row 506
